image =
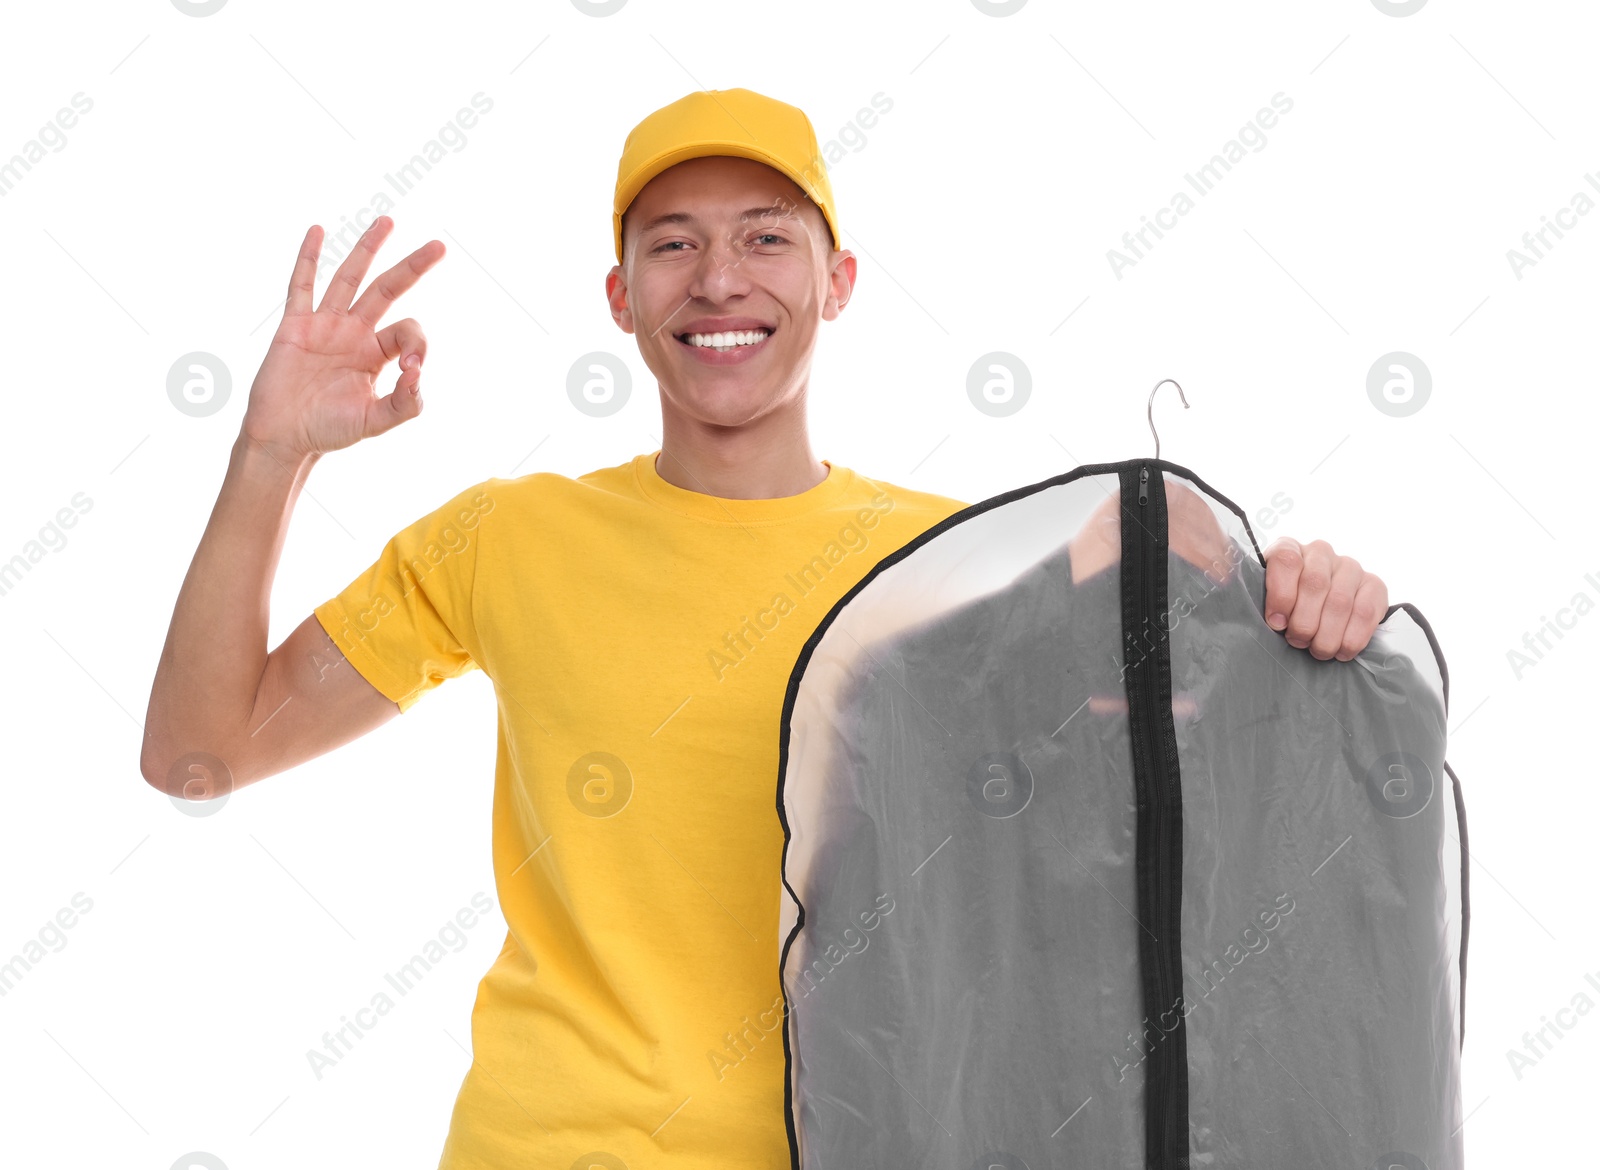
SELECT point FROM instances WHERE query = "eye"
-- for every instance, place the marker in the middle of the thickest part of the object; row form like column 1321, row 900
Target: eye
column 772, row 236
column 667, row 245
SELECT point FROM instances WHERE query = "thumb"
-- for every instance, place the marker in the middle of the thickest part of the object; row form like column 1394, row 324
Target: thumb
column 402, row 403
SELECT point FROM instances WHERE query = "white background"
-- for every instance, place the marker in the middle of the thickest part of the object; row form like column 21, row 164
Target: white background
column 1376, row 218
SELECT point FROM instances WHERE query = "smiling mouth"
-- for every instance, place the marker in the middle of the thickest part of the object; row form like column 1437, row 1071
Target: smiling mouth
column 725, row 342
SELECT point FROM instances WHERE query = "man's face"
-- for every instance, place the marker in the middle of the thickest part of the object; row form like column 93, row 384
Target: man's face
column 727, row 245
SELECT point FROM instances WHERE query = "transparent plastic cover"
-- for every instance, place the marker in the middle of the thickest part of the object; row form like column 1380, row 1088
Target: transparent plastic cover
column 961, row 949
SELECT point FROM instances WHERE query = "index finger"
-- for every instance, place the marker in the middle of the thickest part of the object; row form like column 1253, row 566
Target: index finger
column 1285, row 559
column 381, row 293
column 305, row 272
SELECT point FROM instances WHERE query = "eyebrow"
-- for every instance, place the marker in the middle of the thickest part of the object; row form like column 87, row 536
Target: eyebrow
column 673, row 217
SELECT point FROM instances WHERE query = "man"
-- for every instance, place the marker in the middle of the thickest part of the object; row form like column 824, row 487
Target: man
column 639, row 624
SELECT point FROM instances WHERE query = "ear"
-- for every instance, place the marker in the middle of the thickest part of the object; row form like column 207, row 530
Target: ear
column 841, row 282
column 617, row 298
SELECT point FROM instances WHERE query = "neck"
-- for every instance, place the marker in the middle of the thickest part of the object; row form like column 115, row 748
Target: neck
column 766, row 459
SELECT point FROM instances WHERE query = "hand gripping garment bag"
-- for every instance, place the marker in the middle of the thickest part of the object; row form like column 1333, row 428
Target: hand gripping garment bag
column 1086, row 866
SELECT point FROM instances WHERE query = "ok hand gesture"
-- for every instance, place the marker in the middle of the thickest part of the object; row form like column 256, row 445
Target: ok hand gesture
column 316, row 390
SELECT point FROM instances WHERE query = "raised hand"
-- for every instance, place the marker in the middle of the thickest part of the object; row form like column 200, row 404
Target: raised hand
column 1333, row 605
column 316, row 390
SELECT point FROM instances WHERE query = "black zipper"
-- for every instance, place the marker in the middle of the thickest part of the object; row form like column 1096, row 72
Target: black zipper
column 1159, row 835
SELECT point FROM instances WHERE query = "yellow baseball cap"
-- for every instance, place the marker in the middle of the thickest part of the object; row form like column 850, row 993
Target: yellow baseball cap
column 737, row 122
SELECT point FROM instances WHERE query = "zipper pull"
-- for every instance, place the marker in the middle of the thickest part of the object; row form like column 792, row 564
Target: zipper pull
column 1144, row 486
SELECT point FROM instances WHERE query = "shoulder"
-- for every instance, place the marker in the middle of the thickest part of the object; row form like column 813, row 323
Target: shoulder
column 902, row 508
column 543, row 490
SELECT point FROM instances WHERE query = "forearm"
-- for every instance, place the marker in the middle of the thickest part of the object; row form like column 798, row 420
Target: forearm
column 206, row 682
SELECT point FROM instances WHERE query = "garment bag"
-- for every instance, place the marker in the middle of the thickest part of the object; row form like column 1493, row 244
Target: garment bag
column 1086, row 866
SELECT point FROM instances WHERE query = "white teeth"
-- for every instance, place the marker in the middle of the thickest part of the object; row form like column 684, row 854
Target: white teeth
column 727, row 341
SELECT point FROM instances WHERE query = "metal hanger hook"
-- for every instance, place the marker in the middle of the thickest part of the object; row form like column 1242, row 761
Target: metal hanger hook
column 1149, row 410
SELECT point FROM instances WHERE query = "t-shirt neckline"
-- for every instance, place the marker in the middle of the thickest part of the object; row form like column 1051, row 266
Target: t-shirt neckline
column 721, row 510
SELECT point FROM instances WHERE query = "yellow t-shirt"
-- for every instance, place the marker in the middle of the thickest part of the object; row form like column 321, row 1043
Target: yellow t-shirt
column 640, row 637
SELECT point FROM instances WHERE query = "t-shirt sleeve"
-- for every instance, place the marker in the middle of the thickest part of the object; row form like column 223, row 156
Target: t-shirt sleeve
column 406, row 622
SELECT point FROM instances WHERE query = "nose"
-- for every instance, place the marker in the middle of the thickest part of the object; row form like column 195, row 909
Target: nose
column 719, row 269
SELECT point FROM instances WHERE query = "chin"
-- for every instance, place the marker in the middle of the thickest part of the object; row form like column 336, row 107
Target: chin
column 730, row 408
